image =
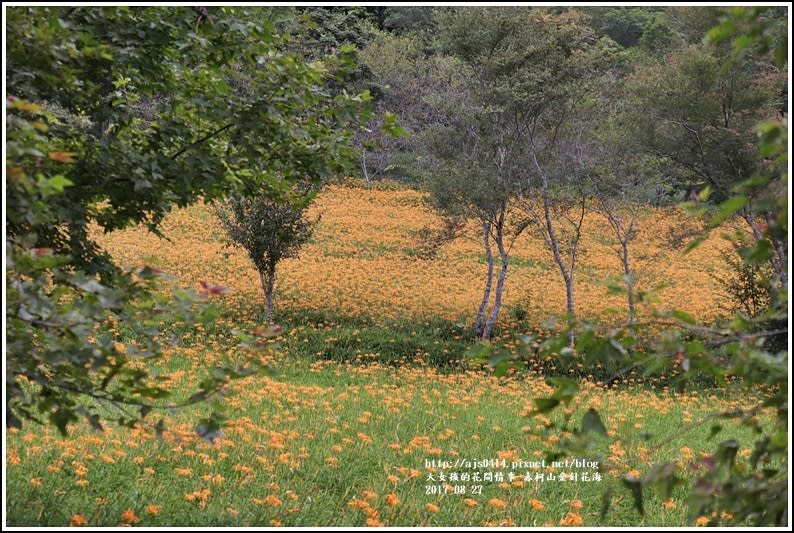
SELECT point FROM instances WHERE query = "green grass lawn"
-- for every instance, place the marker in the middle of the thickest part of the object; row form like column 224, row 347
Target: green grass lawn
column 332, row 441
column 345, row 429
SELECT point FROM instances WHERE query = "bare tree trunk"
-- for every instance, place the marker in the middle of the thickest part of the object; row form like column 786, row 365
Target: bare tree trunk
column 268, row 282
column 629, row 281
column 488, row 280
column 555, row 246
column 624, row 236
column 500, row 282
column 778, row 259
column 567, row 275
column 364, row 168
column 569, row 303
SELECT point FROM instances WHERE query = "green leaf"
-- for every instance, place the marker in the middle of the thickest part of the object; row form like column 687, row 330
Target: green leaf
column 479, row 352
column 545, row 405
column 635, row 486
column 694, row 348
column 591, row 423
column 760, row 253
column 728, row 208
column 664, row 476
column 726, row 29
column 695, row 243
column 565, row 388
column 500, row 368
column 200, row 395
column 210, row 428
column 683, row 316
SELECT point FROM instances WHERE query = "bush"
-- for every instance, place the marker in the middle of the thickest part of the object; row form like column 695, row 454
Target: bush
column 747, row 287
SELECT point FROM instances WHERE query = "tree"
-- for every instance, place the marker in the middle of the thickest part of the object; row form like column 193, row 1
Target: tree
column 558, row 217
column 396, row 67
column 317, row 32
column 726, row 491
column 472, row 141
column 698, row 111
column 153, row 101
column 625, row 25
column 621, row 179
column 746, row 284
column 525, row 73
column 558, row 96
column 115, row 116
column 465, row 182
column 407, row 19
column 268, row 231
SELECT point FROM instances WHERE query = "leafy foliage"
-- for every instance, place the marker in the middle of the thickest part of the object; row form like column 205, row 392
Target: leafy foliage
column 701, row 118
column 747, row 284
column 168, row 105
column 757, row 495
column 64, row 358
column 115, row 115
column 268, row 231
column 627, row 26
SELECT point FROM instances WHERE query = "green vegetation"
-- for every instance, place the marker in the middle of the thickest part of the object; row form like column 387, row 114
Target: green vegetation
column 130, row 400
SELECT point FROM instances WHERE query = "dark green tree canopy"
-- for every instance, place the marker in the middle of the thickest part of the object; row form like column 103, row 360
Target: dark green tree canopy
column 115, row 116
column 268, row 231
column 158, row 108
column 699, row 112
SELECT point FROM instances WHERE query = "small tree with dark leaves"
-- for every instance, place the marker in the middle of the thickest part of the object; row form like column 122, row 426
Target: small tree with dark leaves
column 268, row 231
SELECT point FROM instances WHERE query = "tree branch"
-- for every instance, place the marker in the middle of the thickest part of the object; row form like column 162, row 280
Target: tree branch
column 201, row 140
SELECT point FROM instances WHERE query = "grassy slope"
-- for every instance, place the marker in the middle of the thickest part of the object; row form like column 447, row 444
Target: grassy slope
column 363, row 262
column 319, row 442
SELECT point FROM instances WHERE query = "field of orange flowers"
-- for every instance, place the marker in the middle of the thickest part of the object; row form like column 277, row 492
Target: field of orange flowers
column 363, row 260
column 319, row 442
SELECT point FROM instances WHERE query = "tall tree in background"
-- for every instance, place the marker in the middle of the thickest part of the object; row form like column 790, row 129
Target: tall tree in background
column 397, row 68
column 619, row 178
column 474, row 142
column 698, row 111
column 623, row 182
column 526, row 73
column 557, row 94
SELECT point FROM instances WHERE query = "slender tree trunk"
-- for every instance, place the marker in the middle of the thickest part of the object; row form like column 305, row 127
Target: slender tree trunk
column 624, row 237
column 268, row 281
column 569, row 302
column 554, row 244
column 488, row 279
column 364, row 168
column 555, row 247
column 500, row 282
column 778, row 259
column 629, row 281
